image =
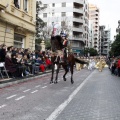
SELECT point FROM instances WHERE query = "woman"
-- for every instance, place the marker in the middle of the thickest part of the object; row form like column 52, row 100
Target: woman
column 10, row 66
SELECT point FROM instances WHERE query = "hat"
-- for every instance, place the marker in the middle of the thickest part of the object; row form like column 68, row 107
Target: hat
column 63, row 34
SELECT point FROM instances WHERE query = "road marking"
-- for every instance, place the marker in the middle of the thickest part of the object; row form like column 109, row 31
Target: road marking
column 27, row 90
column 3, row 106
column 34, row 91
column 44, row 87
column 51, row 83
column 45, row 83
column 37, row 86
column 61, row 107
column 11, row 97
column 20, row 98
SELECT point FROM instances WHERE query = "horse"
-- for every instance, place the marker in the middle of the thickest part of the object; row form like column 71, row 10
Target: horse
column 56, row 44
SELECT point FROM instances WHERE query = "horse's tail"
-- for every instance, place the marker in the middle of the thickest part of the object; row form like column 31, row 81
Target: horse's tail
column 80, row 61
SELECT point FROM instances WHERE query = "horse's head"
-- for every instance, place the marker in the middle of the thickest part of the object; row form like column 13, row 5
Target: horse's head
column 56, row 43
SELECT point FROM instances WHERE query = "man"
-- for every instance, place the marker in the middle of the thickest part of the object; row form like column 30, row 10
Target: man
column 65, row 43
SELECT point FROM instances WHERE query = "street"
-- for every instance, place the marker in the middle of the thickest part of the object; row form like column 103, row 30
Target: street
column 94, row 96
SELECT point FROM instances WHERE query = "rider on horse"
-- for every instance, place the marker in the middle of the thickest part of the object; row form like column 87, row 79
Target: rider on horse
column 65, row 43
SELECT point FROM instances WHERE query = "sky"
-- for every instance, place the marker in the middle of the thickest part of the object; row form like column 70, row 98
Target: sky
column 109, row 13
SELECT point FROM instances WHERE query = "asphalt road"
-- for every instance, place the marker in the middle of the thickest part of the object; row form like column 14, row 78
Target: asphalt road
column 94, row 96
column 37, row 99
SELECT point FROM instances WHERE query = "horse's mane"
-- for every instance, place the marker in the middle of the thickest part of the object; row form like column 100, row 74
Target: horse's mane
column 57, row 41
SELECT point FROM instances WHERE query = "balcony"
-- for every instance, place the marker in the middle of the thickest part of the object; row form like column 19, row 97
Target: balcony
column 78, row 19
column 78, row 38
column 3, row 4
column 21, row 14
column 80, row 2
column 80, row 11
column 77, row 29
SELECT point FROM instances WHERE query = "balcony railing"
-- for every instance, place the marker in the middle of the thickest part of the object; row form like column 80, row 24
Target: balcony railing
column 78, row 19
column 78, row 29
column 79, row 1
column 78, row 10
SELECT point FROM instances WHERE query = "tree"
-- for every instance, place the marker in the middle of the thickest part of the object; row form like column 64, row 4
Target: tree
column 65, row 26
column 39, row 22
column 115, row 47
column 91, row 51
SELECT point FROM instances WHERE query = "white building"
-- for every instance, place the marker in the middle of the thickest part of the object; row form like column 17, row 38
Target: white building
column 94, row 16
column 104, row 40
column 70, row 16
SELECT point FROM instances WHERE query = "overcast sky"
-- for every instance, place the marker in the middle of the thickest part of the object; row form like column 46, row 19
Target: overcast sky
column 109, row 13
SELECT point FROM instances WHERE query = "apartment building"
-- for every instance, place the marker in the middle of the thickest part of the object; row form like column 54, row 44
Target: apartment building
column 17, row 23
column 70, row 17
column 91, row 34
column 104, row 40
column 94, row 17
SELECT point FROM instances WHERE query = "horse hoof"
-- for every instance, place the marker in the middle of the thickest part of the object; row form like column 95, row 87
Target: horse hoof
column 55, row 82
column 64, row 79
column 51, row 82
column 72, row 82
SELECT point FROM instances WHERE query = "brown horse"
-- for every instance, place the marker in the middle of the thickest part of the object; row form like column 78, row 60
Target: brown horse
column 56, row 44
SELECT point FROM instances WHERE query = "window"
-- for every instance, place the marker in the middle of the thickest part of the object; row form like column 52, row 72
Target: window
column 17, row 3
column 53, row 13
column 64, row 4
column 62, row 23
column 45, row 5
column 25, row 5
column 18, row 41
column 63, row 14
column 44, row 15
column 53, row 4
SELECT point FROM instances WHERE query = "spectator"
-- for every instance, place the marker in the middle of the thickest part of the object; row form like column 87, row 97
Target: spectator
column 2, row 53
column 41, row 64
column 118, row 66
column 10, row 66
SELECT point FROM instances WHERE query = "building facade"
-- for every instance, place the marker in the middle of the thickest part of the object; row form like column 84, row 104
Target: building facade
column 17, row 23
column 94, row 17
column 70, row 17
column 104, row 40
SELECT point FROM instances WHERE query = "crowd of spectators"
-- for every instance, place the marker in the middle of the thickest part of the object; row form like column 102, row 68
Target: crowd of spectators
column 20, row 62
column 114, row 65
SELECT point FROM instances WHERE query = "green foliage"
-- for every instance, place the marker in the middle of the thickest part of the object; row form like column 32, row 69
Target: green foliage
column 91, row 51
column 39, row 22
column 115, row 47
column 47, row 44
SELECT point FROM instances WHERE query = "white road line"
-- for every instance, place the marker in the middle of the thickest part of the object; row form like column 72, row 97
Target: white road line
column 51, row 83
column 37, row 86
column 45, row 83
column 44, row 87
column 34, row 91
column 61, row 107
column 20, row 98
column 27, row 90
column 11, row 96
column 3, row 106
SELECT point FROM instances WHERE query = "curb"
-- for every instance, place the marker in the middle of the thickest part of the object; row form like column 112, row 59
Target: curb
column 20, row 80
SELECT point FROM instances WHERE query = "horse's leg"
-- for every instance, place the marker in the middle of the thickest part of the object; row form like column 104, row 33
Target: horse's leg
column 52, row 73
column 57, row 71
column 71, row 69
column 66, row 71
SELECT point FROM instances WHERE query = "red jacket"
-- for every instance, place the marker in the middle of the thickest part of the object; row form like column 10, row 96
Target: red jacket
column 118, row 64
column 48, row 62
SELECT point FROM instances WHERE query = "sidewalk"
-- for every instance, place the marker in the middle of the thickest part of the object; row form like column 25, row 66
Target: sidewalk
column 99, row 99
column 10, row 81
